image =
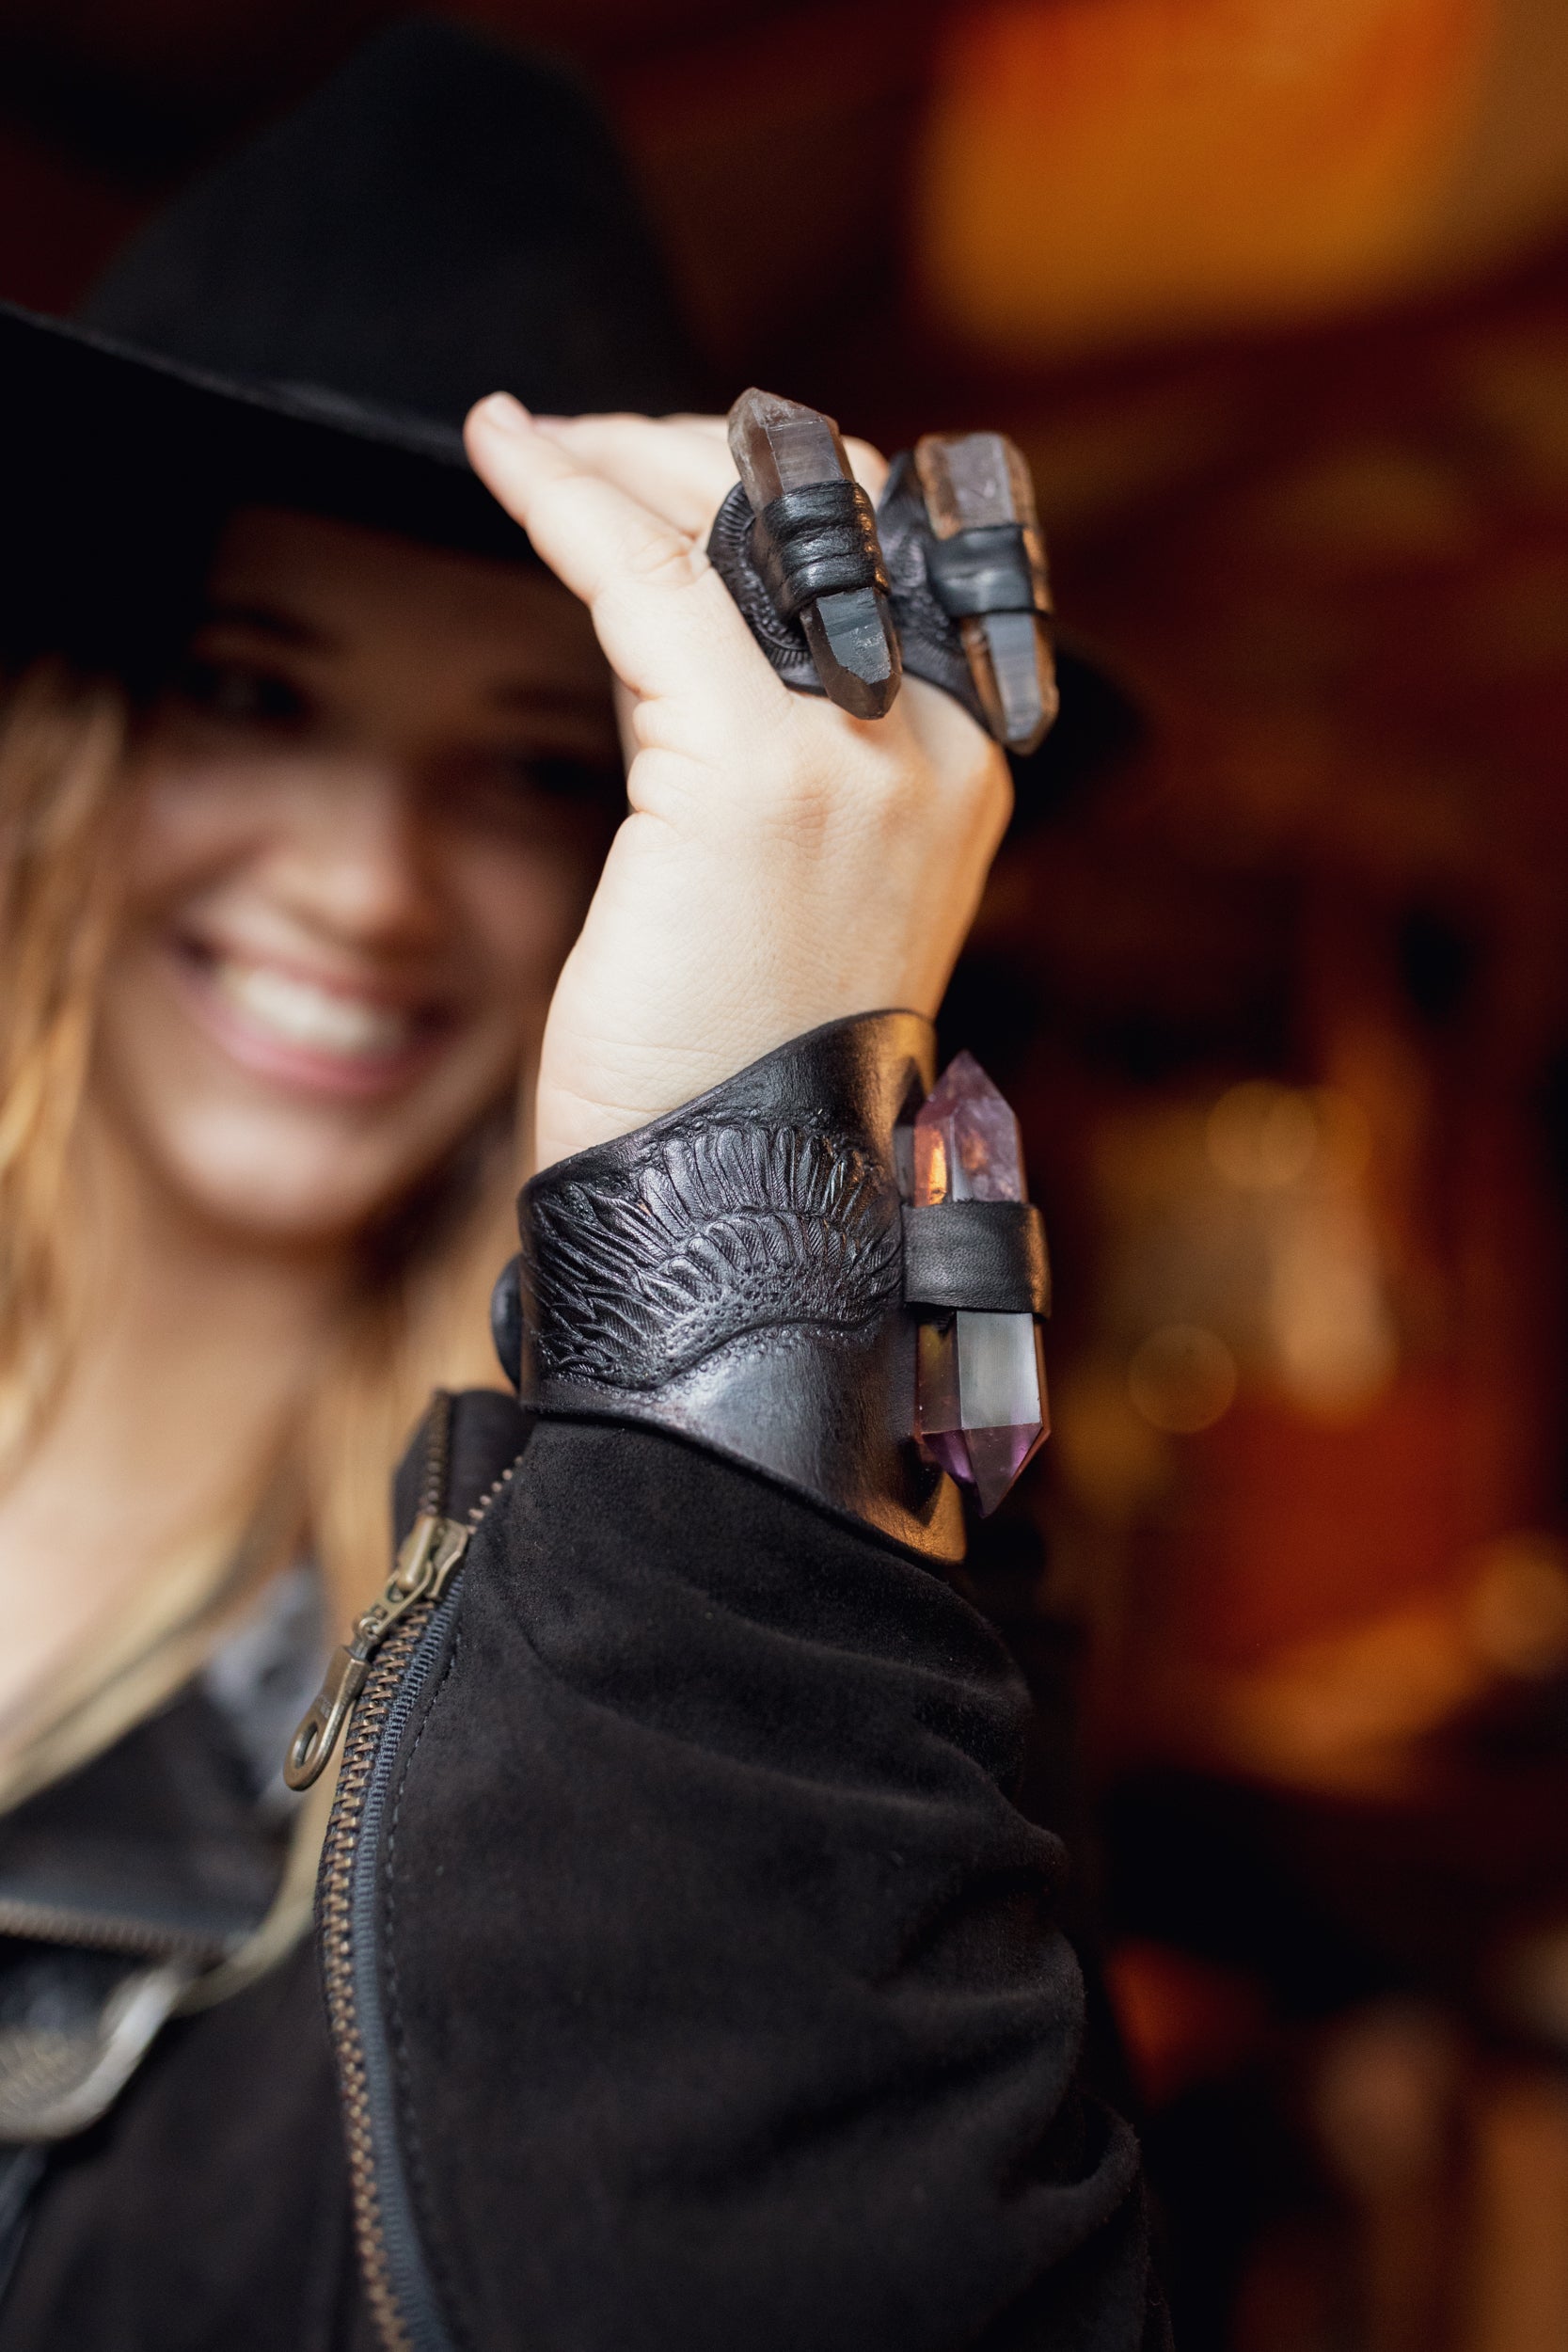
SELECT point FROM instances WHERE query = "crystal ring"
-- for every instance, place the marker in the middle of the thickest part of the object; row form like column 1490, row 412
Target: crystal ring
column 980, row 1410
column 970, row 589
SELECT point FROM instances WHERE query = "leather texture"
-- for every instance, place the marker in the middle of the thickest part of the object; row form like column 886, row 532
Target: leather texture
column 984, row 570
column 816, row 541
column 985, row 1256
column 733, row 1273
column 932, row 648
column 734, row 558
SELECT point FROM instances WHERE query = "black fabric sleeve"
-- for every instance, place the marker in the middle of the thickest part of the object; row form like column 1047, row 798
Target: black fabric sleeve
column 722, row 1986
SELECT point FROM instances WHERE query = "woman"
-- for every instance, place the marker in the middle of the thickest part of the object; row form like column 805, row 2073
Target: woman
column 686, row 1970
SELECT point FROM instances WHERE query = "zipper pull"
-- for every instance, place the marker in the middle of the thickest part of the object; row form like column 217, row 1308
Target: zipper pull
column 319, row 1727
column 429, row 1552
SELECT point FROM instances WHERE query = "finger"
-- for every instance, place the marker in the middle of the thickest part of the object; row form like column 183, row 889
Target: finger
column 681, row 463
column 682, row 473
column 867, row 465
column 665, row 619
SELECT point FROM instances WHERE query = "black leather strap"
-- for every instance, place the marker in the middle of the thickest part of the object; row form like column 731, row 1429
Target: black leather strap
column 733, row 1273
column 987, row 1255
column 734, row 558
column 932, row 647
column 986, row 570
column 816, row 542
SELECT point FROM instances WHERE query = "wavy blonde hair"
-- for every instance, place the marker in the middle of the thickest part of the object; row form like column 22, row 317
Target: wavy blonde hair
column 417, row 1313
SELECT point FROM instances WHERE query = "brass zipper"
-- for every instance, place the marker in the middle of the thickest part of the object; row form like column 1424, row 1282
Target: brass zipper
column 429, row 1553
column 427, row 1560
column 108, row 1931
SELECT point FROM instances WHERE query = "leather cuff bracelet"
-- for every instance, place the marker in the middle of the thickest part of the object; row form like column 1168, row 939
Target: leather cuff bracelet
column 819, row 1269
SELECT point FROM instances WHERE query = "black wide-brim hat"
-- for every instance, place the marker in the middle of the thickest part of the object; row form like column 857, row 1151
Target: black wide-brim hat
column 308, row 324
column 307, row 327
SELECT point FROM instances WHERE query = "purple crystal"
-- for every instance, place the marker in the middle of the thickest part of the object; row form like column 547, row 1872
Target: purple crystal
column 981, row 1412
column 967, row 1146
column 780, row 445
column 973, row 480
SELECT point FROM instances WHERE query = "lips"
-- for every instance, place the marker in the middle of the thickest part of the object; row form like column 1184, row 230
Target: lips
column 303, row 1032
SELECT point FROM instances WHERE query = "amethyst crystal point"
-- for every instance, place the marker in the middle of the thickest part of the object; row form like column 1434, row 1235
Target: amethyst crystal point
column 978, row 482
column 981, row 1377
column 780, row 446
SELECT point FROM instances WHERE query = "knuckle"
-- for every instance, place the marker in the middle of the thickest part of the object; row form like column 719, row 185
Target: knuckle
column 657, row 556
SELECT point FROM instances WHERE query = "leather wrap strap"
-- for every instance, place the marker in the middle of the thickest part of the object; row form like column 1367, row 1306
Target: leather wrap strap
column 931, row 646
column 816, row 542
column 733, row 1273
column 984, row 1255
column 984, row 570
column 733, row 556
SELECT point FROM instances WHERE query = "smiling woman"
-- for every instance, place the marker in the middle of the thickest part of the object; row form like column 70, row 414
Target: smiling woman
column 351, row 844
column 676, row 1930
column 362, row 836
column 307, row 767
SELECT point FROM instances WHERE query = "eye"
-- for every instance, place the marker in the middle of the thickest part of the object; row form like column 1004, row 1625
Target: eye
column 240, row 693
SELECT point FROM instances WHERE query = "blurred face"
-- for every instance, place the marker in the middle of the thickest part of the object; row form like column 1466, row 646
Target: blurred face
column 362, row 837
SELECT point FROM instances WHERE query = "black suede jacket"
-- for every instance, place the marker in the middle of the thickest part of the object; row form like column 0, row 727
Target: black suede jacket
column 692, row 1979
column 697, row 1981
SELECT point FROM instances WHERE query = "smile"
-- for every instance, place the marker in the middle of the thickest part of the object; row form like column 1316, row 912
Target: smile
column 304, row 1033
column 295, row 1011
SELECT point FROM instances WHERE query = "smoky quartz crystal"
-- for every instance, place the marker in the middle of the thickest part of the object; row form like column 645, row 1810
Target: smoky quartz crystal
column 784, row 451
column 988, row 570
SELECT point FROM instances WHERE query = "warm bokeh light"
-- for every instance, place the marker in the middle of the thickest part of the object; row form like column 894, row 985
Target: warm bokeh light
column 1182, row 1378
column 1104, row 170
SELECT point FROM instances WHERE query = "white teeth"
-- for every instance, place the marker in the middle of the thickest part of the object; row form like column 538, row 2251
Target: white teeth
column 298, row 1014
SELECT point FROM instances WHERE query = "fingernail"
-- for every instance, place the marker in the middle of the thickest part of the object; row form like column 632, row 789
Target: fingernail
column 502, row 412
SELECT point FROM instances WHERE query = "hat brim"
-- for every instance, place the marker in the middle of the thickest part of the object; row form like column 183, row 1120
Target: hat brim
column 99, row 420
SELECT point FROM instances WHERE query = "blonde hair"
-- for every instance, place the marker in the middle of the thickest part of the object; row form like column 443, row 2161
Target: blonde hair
column 417, row 1313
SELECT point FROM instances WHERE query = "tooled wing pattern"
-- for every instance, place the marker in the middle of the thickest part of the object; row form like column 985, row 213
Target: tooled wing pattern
column 719, row 1231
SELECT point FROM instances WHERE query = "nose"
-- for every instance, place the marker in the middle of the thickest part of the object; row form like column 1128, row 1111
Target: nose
column 355, row 861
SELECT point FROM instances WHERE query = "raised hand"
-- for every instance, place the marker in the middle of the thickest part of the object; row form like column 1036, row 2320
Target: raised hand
column 783, row 864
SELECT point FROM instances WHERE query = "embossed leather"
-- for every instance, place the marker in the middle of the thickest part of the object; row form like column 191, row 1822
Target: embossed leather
column 733, row 1273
